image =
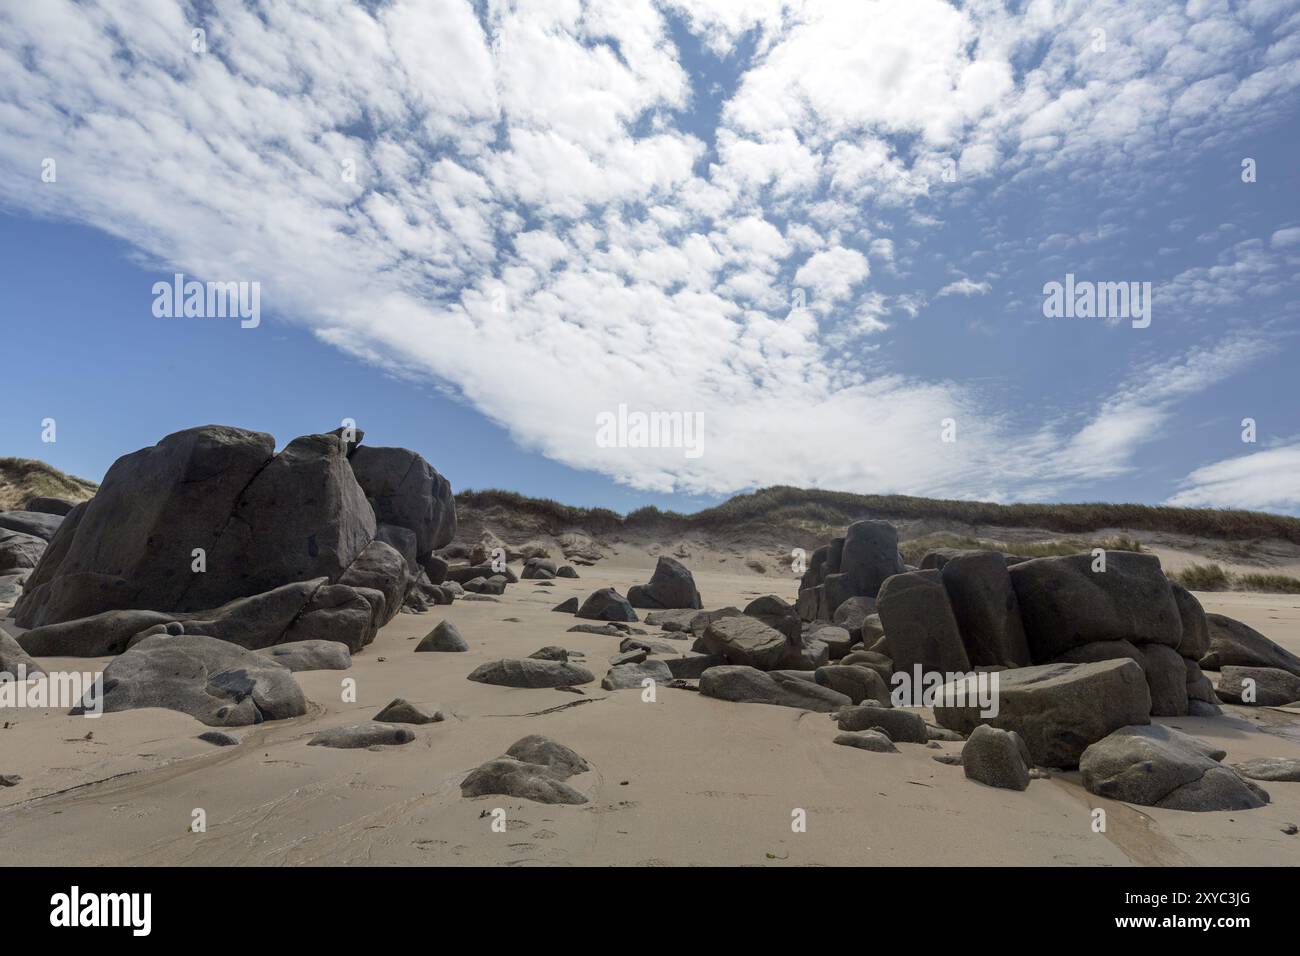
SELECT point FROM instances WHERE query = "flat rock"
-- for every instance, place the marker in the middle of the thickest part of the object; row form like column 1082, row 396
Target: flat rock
column 902, row 726
column 1235, row 643
column 311, row 655
column 526, row 672
column 633, row 676
column 746, row 641
column 1276, row 769
column 551, row 652
column 1266, row 686
column 219, row 738
column 874, row 740
column 368, row 734
column 748, row 685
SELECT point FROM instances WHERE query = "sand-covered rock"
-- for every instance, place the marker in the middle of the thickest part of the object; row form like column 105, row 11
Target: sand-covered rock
column 533, row 768
column 527, row 672
column 875, row 741
column 14, row 660
column 1276, row 769
column 311, row 655
column 363, row 735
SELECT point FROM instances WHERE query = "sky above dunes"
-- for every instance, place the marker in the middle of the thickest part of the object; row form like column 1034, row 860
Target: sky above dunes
column 824, row 228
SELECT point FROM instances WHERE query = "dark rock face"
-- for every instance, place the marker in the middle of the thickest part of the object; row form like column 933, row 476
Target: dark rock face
column 746, row 641
column 985, row 607
column 445, row 637
column 902, row 726
column 219, row 683
column 13, row 659
column 402, row 711
column 48, row 505
column 1166, row 679
column 1259, row 686
column 1059, row 709
column 1232, row 642
column 1064, row 603
column 778, row 615
column 1155, row 766
column 606, row 605
column 1196, row 629
column 567, row 606
column 855, row 683
column 405, row 490
column 528, row 672
column 35, row 523
column 869, row 556
column 671, row 586
column 918, row 618
column 746, row 685
column 19, row 551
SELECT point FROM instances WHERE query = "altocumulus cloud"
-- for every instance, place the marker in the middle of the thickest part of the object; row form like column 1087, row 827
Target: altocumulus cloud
column 539, row 197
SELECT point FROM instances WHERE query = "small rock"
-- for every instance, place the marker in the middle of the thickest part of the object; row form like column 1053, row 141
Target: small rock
column 444, row 637
column 997, row 758
column 402, row 711
column 876, row 741
column 218, row 738
column 567, row 606
column 369, row 734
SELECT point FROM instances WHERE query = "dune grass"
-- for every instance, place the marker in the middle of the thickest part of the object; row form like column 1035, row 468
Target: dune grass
column 24, row 478
column 816, row 509
column 914, row 549
column 1212, row 577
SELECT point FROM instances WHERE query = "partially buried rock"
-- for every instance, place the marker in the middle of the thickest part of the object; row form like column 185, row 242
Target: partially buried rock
column 1232, row 642
column 634, row 676
column 534, row 768
column 901, row 725
column 566, row 571
column 311, row 655
column 402, row 711
column 1155, row 766
column 10, row 779
column 218, row 738
column 550, row 652
column 606, row 605
column 747, row 685
column 563, row 761
column 857, row 683
column 369, row 734
column 1259, row 686
column 445, row 637
column 997, row 758
column 218, row 683
column 876, row 741
column 567, row 606
column 526, row 672
column 1277, row 769
column 14, row 660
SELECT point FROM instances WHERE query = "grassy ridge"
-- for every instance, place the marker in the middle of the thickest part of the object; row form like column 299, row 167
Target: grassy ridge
column 784, row 505
column 1211, row 577
column 23, row 478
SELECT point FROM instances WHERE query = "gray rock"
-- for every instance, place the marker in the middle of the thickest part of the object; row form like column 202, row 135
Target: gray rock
column 985, row 607
column 10, row 779
column 634, row 656
column 506, row 776
column 1065, row 604
column 1232, row 642
column 1195, row 643
column 878, row 662
column 997, row 758
column 405, row 490
column 854, row 682
column 35, row 523
column 527, row 672
column 902, row 726
column 19, row 551
column 778, row 615
column 444, row 638
column 632, row 676
column 1059, row 709
column 563, row 762
column 402, row 711
column 495, row 585
column 566, row 571
column 746, row 641
column 550, row 652
column 852, row 612
column 692, row 666
column 838, row 640
column 1198, row 685
column 874, row 740
column 11, row 585
column 1273, row 769
column 368, row 734
column 747, row 685
column 219, row 683
column 606, row 605
column 219, row 738
column 671, row 586
column 868, row 557
column 311, row 656
column 650, row 647
column 1201, row 708
column 1154, row 766
column 48, row 505
column 381, row 567
column 14, row 660
column 1166, row 680
column 567, row 606
column 918, row 618
column 1272, row 687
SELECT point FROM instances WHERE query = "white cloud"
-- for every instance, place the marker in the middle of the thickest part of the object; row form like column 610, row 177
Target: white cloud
column 1266, row 480
column 964, row 286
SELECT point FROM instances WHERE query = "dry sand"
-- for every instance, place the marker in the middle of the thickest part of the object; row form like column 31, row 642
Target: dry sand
column 685, row 780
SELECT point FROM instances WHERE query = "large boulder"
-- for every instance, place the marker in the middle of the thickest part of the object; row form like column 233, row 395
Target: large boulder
column 1232, row 642
column 868, row 556
column 36, row 523
column 1166, row 675
column 1259, row 686
column 1195, row 643
column 918, row 618
column 855, row 683
column 405, row 490
column 746, row 641
column 1156, row 766
column 985, row 607
column 262, row 520
column 747, row 685
column 1059, row 709
column 671, row 586
column 382, row 568
column 219, row 683
column 1064, row 603
column 606, row 605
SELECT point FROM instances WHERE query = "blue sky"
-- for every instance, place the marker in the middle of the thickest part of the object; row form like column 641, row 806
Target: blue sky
column 567, row 208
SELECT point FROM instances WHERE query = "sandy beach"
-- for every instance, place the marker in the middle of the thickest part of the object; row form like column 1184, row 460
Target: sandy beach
column 683, row 780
